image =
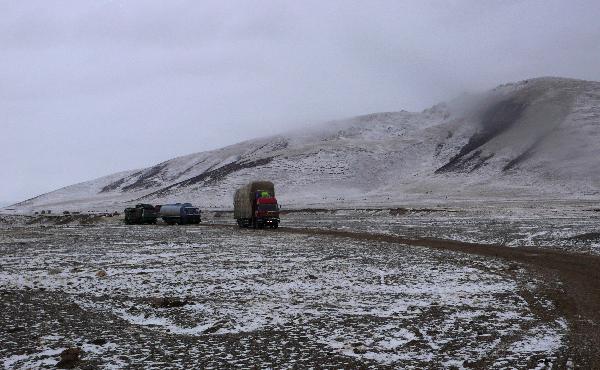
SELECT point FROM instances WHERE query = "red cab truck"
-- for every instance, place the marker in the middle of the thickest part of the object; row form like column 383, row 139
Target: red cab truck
column 255, row 205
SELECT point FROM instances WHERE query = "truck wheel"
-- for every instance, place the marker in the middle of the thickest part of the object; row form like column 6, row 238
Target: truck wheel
column 275, row 225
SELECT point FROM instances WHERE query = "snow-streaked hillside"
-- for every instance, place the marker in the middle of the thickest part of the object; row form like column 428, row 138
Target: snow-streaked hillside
column 533, row 139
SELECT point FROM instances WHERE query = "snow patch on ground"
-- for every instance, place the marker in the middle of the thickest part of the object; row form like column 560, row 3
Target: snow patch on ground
column 376, row 302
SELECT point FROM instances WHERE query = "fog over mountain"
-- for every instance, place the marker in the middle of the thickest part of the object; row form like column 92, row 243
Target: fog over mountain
column 89, row 88
column 535, row 139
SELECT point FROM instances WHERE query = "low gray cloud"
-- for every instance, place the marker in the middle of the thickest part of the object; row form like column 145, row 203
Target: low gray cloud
column 88, row 88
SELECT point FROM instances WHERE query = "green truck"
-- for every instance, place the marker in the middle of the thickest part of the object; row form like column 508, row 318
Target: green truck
column 141, row 214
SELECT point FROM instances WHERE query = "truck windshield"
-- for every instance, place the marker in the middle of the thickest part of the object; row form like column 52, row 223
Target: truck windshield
column 267, row 207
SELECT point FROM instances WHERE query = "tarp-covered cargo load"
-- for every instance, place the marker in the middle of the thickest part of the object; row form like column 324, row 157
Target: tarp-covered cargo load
column 244, row 199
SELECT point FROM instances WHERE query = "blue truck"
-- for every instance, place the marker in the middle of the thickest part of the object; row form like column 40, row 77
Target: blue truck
column 180, row 213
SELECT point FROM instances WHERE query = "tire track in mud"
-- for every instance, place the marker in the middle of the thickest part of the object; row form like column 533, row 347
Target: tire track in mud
column 573, row 280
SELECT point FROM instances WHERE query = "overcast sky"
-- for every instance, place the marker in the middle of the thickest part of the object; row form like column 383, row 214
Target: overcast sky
column 88, row 88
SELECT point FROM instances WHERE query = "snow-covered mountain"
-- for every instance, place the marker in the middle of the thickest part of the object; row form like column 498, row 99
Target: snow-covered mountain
column 538, row 138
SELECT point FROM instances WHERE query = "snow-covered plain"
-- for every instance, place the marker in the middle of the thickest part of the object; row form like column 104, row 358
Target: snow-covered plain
column 535, row 139
column 570, row 226
column 264, row 299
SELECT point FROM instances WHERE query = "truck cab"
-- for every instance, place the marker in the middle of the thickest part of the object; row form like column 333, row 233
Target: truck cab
column 266, row 212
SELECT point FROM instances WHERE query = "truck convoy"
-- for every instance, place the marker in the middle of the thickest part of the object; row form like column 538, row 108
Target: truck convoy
column 180, row 213
column 255, row 205
column 141, row 214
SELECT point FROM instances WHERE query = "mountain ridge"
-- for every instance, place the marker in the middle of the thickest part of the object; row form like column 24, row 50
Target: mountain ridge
column 534, row 138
